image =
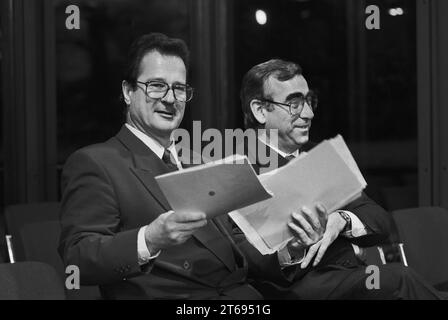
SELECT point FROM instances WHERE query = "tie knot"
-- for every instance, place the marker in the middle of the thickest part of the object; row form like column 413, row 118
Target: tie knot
column 289, row 157
column 169, row 159
column 167, row 156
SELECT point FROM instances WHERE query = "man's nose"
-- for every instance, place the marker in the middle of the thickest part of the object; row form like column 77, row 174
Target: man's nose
column 169, row 96
column 307, row 112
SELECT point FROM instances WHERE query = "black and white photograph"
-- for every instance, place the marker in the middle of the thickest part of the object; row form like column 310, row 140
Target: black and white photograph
column 257, row 151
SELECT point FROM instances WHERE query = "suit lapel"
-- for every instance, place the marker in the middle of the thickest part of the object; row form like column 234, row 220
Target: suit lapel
column 253, row 153
column 146, row 177
column 281, row 161
column 146, row 165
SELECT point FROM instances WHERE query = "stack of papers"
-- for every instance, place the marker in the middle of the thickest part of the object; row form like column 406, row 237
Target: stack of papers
column 328, row 174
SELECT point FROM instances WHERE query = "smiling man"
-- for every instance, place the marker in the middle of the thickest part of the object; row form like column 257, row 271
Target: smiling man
column 292, row 118
column 275, row 95
column 156, row 107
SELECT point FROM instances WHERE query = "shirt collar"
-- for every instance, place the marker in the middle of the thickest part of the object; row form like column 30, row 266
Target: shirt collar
column 152, row 143
column 263, row 138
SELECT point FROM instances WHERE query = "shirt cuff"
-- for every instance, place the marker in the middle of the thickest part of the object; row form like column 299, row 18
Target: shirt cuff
column 358, row 228
column 285, row 259
column 144, row 256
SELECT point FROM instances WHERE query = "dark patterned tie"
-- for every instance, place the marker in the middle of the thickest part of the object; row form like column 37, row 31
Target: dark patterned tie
column 290, row 157
column 169, row 160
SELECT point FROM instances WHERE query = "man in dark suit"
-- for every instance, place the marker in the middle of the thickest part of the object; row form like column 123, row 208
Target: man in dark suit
column 275, row 95
column 117, row 226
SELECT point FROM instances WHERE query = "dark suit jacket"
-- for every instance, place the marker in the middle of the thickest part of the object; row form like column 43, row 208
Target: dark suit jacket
column 109, row 192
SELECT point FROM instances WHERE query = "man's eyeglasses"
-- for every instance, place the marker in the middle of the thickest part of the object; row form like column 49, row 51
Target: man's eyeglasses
column 295, row 107
column 159, row 89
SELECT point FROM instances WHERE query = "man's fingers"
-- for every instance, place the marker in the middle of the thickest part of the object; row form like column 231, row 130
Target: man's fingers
column 322, row 214
column 310, row 254
column 300, row 233
column 184, row 226
column 311, row 217
column 185, row 217
column 322, row 249
column 321, row 209
column 303, row 224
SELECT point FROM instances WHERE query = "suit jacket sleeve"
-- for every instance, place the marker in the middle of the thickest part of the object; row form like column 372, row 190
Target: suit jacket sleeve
column 378, row 221
column 264, row 267
column 90, row 219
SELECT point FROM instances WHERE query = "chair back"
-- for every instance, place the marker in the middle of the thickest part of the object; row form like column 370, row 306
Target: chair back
column 30, row 281
column 35, row 231
column 19, row 215
column 40, row 243
column 424, row 233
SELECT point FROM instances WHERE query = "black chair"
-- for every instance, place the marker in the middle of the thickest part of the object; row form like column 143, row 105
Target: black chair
column 3, row 248
column 35, row 231
column 40, row 242
column 423, row 231
column 30, row 281
column 17, row 216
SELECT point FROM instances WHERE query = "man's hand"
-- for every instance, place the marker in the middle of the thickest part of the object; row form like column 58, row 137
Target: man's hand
column 335, row 225
column 171, row 229
column 308, row 227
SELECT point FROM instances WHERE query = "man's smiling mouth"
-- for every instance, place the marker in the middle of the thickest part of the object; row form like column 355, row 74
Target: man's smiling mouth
column 303, row 126
column 166, row 113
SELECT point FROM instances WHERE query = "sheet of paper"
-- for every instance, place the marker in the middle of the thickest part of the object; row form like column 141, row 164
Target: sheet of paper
column 214, row 188
column 341, row 147
column 327, row 174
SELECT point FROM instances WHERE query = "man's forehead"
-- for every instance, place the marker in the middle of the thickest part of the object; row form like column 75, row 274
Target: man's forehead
column 275, row 87
column 154, row 62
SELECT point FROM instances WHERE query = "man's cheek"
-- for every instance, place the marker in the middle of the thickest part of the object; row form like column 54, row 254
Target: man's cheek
column 300, row 136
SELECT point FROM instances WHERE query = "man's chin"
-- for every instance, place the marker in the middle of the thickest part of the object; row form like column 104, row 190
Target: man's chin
column 165, row 126
column 302, row 140
column 167, row 122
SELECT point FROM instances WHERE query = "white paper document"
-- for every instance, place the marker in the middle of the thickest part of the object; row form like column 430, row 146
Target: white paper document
column 214, row 188
column 327, row 174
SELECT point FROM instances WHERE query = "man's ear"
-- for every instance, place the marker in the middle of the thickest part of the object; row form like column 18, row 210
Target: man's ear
column 127, row 91
column 258, row 110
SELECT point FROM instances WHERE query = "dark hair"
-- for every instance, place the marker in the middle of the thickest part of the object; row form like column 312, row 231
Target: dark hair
column 253, row 84
column 152, row 42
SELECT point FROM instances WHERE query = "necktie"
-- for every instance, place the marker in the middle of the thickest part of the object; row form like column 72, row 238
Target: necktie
column 169, row 160
column 289, row 157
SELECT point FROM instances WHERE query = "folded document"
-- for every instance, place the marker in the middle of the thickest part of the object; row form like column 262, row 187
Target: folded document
column 214, row 188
